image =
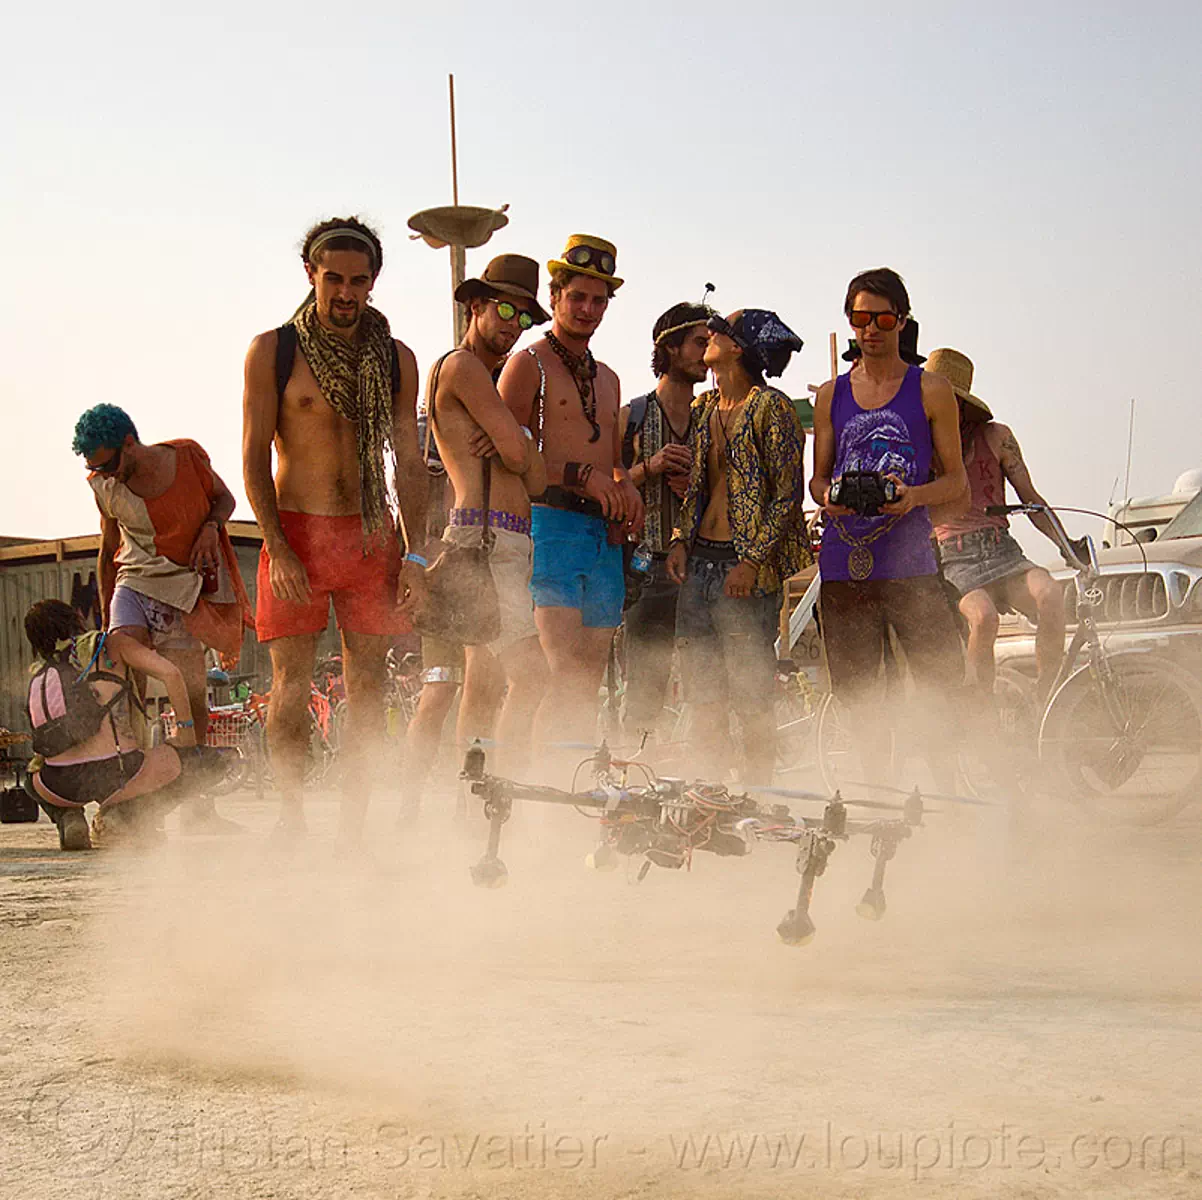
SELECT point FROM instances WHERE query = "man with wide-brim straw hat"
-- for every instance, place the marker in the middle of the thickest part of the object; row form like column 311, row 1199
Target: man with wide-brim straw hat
column 571, row 401
column 979, row 556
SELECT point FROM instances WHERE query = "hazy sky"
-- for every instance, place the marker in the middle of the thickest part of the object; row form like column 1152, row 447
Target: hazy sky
column 1031, row 169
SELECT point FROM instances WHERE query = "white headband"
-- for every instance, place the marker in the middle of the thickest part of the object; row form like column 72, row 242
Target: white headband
column 344, row 232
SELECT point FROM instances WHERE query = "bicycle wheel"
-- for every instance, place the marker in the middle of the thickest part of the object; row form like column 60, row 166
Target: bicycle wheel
column 236, row 774
column 1126, row 746
column 833, row 748
column 992, row 765
column 794, row 728
column 318, row 756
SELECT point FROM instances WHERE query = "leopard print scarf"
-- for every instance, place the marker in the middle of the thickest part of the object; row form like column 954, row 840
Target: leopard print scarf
column 356, row 380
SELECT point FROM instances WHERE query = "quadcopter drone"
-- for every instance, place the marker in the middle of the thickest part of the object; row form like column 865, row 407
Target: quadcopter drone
column 664, row 820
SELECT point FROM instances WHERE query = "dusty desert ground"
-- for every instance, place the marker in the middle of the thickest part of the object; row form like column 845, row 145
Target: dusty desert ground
column 219, row 1019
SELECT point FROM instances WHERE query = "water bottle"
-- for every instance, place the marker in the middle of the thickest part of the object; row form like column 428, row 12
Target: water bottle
column 641, row 560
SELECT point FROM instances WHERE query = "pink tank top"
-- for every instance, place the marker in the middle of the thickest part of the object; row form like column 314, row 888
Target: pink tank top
column 986, row 485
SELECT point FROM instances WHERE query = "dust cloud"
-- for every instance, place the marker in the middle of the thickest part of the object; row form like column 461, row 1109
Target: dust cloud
column 1040, row 971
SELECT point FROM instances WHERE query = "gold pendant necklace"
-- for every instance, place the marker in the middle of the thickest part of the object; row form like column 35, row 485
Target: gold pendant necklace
column 861, row 561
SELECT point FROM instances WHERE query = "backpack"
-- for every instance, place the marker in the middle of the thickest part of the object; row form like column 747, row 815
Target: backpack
column 62, row 709
column 634, row 426
column 285, row 356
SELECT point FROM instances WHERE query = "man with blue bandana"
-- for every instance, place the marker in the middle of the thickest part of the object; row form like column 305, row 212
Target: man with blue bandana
column 741, row 536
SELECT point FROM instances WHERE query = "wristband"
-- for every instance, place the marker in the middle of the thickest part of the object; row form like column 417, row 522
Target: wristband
column 417, row 558
column 571, row 474
column 185, row 724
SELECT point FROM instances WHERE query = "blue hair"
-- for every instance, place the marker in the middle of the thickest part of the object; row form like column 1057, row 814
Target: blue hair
column 105, row 425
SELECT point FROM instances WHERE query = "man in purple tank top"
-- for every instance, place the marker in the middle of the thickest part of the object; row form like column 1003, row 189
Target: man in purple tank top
column 879, row 571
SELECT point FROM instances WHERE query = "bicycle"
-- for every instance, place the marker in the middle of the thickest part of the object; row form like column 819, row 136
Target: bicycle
column 1121, row 734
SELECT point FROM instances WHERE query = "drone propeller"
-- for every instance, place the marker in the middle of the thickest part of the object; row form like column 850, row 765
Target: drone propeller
column 821, row 798
column 945, row 797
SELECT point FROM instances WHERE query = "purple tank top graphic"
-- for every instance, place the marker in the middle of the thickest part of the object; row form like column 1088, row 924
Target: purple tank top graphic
column 895, row 440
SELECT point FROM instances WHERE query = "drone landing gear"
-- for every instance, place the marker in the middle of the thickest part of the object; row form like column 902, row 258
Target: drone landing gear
column 490, row 871
column 885, row 839
column 604, row 858
column 814, row 847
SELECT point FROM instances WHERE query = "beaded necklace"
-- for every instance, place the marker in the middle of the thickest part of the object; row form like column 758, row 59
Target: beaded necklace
column 583, row 370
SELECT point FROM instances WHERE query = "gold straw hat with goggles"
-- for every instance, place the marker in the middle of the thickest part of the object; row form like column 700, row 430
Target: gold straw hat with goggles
column 588, row 255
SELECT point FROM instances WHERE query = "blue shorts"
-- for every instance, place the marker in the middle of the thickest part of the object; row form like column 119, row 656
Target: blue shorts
column 576, row 567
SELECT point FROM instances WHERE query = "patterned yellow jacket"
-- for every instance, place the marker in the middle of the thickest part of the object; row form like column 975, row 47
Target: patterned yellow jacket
column 765, row 481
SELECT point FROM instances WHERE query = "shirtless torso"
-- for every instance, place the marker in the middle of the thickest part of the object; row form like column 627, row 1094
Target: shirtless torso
column 467, row 404
column 715, row 522
column 566, row 433
column 316, row 448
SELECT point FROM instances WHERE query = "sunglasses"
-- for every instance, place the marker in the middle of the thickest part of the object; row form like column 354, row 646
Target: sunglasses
column 588, row 256
column 860, row 319
column 109, row 466
column 507, row 312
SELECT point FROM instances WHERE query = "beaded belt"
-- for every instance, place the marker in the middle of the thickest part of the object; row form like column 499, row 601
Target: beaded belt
column 498, row 520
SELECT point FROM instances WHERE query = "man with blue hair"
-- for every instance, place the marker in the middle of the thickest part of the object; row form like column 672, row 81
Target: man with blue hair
column 166, row 570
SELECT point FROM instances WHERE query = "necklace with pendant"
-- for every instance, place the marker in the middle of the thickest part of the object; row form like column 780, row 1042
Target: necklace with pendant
column 861, row 561
column 583, row 370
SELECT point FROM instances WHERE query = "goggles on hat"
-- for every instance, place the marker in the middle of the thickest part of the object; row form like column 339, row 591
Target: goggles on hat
column 507, row 311
column 590, row 256
column 861, row 318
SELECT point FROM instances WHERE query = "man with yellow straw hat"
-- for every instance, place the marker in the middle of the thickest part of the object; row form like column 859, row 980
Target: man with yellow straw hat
column 571, row 403
column 980, row 558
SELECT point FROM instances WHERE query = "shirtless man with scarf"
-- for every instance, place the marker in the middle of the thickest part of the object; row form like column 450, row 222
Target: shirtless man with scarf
column 336, row 395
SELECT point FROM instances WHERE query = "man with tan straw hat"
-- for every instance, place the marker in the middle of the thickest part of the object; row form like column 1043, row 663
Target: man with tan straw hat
column 980, row 558
column 571, row 401
column 487, row 453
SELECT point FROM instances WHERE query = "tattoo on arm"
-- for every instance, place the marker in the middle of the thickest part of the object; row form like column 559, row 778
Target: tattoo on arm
column 1012, row 456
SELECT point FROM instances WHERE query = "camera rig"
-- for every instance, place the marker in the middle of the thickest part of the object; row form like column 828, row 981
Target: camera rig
column 664, row 820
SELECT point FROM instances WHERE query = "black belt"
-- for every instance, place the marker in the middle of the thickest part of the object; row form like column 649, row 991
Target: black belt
column 557, row 497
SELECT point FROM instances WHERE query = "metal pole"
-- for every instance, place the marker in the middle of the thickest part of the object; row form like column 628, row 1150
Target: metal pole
column 1130, row 439
column 458, row 274
column 458, row 254
column 454, row 147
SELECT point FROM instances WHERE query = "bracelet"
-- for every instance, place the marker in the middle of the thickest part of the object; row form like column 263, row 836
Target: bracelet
column 571, row 474
column 417, row 558
column 185, row 724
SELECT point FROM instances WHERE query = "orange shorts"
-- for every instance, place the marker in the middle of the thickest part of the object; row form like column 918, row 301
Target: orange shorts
column 362, row 585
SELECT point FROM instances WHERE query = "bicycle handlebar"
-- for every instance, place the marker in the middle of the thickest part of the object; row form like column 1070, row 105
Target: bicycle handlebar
column 1070, row 551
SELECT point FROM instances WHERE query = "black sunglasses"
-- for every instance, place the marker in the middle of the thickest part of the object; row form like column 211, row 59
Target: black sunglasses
column 109, row 466
column 723, row 326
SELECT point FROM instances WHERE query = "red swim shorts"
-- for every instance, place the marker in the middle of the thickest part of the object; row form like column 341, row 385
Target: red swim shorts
column 363, row 586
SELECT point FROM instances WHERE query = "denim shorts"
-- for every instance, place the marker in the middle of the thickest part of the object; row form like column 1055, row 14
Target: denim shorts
column 576, row 567
column 983, row 557
column 727, row 646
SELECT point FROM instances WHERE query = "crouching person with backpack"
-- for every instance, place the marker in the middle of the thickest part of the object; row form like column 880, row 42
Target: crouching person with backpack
column 78, row 709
